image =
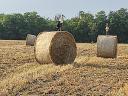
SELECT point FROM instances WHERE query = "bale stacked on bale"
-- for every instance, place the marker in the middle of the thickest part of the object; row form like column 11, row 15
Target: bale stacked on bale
column 55, row 47
column 107, row 46
column 30, row 39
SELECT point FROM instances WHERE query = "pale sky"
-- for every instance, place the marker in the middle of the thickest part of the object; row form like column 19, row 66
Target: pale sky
column 70, row 8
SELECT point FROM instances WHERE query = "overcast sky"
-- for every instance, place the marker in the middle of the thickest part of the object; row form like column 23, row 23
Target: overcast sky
column 70, row 8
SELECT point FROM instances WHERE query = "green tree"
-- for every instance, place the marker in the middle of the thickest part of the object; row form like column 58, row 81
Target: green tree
column 81, row 27
column 119, row 24
column 100, row 23
column 13, row 24
column 34, row 23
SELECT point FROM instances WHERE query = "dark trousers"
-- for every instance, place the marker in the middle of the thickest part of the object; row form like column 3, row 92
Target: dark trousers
column 59, row 26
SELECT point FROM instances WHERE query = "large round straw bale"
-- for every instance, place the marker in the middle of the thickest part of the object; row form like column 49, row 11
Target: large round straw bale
column 107, row 46
column 55, row 47
column 30, row 39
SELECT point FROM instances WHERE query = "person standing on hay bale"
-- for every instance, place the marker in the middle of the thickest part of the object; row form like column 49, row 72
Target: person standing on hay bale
column 59, row 19
column 107, row 25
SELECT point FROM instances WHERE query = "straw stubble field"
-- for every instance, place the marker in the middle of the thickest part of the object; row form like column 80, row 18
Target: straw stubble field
column 89, row 75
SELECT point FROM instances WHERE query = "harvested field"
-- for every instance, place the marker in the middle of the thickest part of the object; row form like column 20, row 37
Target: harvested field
column 89, row 75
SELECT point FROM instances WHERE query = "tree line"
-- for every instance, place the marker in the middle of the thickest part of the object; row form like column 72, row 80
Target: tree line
column 85, row 27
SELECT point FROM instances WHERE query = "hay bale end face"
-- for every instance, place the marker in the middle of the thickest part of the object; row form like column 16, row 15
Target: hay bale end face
column 30, row 39
column 107, row 46
column 55, row 47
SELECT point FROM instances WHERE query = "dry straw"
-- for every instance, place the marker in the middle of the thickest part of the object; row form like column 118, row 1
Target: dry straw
column 55, row 47
column 107, row 46
column 30, row 39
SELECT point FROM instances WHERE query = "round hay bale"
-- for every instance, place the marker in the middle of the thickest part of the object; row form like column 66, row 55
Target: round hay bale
column 30, row 39
column 107, row 46
column 57, row 47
